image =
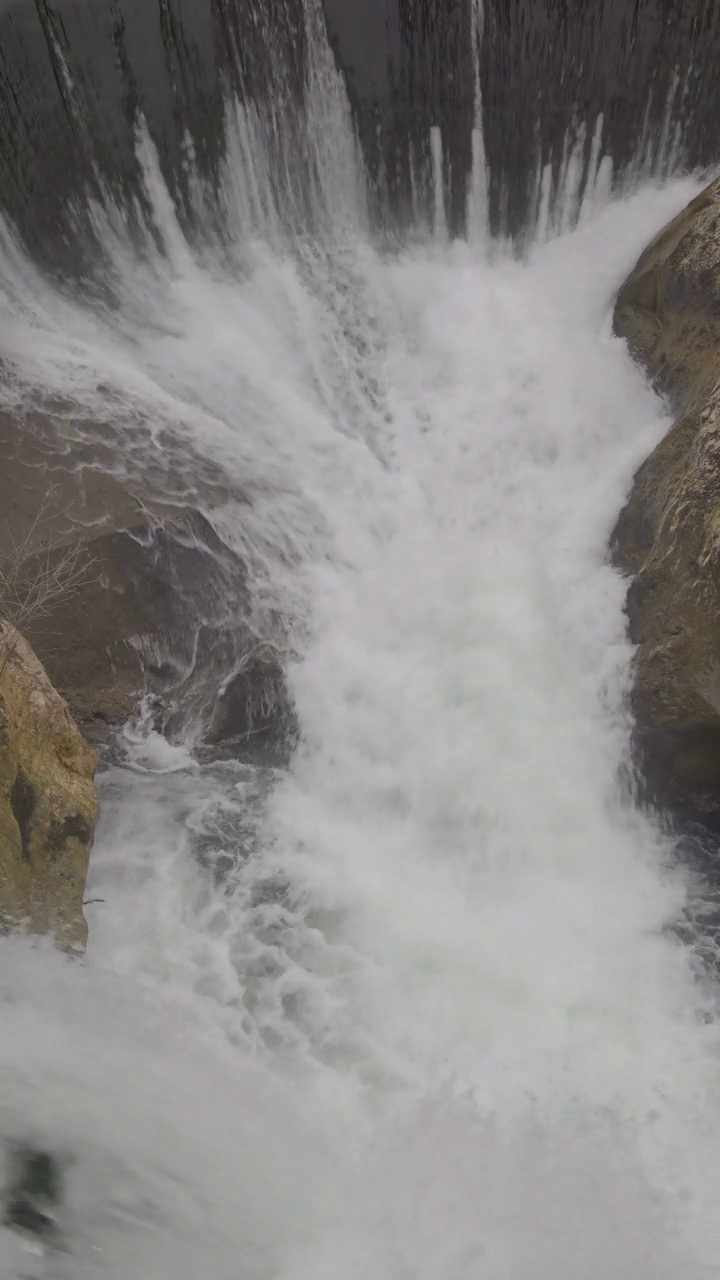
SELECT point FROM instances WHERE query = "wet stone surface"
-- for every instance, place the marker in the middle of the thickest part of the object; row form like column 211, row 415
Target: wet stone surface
column 32, row 1196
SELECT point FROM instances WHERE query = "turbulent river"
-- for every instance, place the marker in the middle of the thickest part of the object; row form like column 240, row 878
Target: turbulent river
column 415, row 1007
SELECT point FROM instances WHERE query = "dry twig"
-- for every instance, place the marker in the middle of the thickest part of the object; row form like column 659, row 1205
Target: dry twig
column 37, row 573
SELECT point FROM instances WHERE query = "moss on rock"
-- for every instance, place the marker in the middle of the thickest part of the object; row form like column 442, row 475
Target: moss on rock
column 48, row 805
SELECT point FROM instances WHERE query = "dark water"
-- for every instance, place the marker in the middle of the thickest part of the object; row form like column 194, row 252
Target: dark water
column 74, row 74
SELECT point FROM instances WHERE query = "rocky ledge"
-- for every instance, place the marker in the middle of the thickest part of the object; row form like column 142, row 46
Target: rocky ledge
column 668, row 535
column 160, row 611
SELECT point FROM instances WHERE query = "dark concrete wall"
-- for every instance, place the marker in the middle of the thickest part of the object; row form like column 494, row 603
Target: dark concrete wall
column 408, row 65
column 544, row 64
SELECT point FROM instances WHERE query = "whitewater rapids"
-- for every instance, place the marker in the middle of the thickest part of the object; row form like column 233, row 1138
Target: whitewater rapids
column 432, row 1020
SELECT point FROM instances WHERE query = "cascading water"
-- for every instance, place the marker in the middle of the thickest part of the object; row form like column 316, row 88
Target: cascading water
column 414, row 1006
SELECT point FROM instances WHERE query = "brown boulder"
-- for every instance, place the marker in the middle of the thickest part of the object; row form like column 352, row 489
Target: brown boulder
column 163, row 608
column 668, row 535
column 153, row 616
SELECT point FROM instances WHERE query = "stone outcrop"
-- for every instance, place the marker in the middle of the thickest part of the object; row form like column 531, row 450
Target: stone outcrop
column 48, row 805
column 163, row 609
column 156, row 614
column 668, row 535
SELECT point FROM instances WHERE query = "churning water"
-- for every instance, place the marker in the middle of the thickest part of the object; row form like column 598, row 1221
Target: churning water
column 413, row 1008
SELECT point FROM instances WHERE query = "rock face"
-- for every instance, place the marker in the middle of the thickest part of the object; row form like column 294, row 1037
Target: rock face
column 163, row 609
column 153, row 615
column 48, row 806
column 668, row 536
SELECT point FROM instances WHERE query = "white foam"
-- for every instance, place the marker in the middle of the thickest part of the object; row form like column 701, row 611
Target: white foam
column 179, row 1159
column 449, row 892
column 453, row 1193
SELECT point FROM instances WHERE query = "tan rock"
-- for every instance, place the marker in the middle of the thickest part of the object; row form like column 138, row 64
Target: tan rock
column 668, row 535
column 48, row 805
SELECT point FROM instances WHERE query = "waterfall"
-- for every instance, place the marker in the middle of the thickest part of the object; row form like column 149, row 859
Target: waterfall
column 416, row 1001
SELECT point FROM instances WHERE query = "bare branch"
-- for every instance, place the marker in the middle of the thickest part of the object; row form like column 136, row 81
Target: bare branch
column 37, row 574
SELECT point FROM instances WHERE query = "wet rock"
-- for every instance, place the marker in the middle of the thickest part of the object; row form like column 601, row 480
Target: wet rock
column 156, row 615
column 253, row 713
column 668, row 535
column 48, row 805
column 162, row 609
column 33, row 1192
